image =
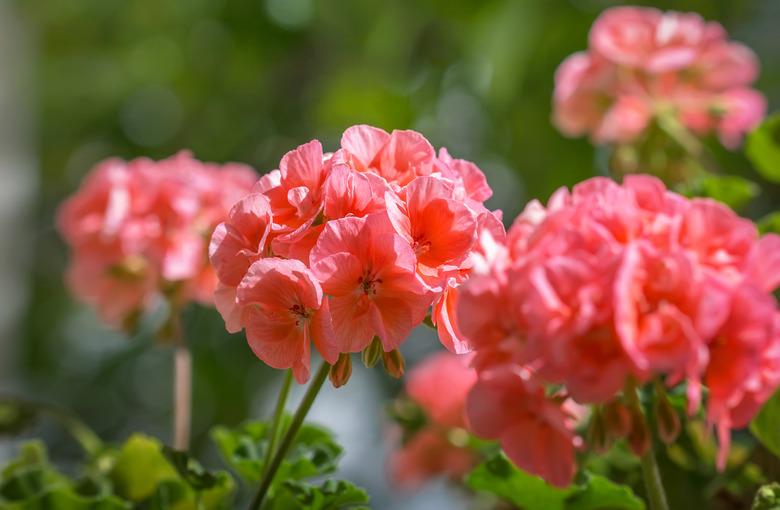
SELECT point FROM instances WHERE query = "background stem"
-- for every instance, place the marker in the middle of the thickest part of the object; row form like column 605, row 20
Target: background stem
column 182, row 396
column 652, row 476
column 289, row 437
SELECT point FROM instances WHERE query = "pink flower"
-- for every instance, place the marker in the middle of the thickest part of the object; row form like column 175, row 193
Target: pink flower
column 351, row 193
column 534, row 431
column 440, row 230
column 369, row 272
column 398, row 157
column 283, row 312
column 140, row 229
column 427, row 454
column 645, row 65
column 439, row 384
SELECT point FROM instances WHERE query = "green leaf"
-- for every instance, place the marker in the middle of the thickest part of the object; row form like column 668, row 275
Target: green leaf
column 763, row 148
column 29, row 482
column 313, row 453
column 770, row 223
column 767, row 498
column 140, row 467
column 189, row 469
column 766, row 425
column 498, row 476
column 732, row 190
column 599, row 493
column 331, row 495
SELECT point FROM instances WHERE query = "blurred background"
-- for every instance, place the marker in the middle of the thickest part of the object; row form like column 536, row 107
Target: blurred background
column 247, row 80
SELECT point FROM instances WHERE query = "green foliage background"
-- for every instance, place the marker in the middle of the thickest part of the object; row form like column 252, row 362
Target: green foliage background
column 247, row 80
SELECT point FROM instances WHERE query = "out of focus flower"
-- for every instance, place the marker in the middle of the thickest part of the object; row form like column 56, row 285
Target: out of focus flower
column 140, row 229
column 614, row 283
column 646, row 66
column 438, row 386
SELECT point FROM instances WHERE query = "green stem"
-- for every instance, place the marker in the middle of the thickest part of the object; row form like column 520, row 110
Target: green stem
column 653, row 484
column 656, row 495
column 276, row 424
column 289, row 437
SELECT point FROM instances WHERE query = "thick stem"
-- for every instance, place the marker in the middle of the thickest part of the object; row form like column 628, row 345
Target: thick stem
column 653, row 484
column 182, row 396
column 275, row 428
column 289, row 436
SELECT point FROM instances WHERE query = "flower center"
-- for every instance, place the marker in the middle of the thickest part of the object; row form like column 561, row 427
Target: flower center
column 300, row 314
column 368, row 284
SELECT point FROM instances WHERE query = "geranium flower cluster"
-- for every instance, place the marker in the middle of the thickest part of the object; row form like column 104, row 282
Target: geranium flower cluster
column 140, row 229
column 341, row 248
column 436, row 443
column 643, row 64
column 612, row 284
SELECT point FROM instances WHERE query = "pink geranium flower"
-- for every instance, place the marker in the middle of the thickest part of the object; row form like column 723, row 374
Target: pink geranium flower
column 645, row 65
column 283, row 312
column 397, row 157
column 440, row 384
column 139, row 230
column 534, row 431
column 369, row 271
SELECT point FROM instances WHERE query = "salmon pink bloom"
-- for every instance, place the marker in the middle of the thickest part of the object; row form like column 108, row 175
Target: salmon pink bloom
column 440, row 230
column 536, row 433
column 440, row 384
column 351, row 193
column 647, row 67
column 426, row 455
column 140, row 229
column 283, row 312
column 397, row 157
column 369, row 272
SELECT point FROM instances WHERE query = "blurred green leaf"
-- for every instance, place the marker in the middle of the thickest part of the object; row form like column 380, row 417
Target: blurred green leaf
column 331, row 495
column 732, row 190
column 770, row 223
column 767, row 498
column 599, row 493
column 189, row 469
column 140, row 467
column 29, row 482
column 766, row 425
column 500, row 477
column 314, row 451
column 763, row 148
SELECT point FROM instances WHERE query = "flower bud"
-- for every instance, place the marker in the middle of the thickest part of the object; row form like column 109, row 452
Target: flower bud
column 639, row 435
column 394, row 363
column 598, row 440
column 373, row 352
column 667, row 419
column 617, row 419
column 341, row 371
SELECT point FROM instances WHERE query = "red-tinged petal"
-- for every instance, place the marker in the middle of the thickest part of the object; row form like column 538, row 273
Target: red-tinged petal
column 340, row 273
column 303, row 166
column 363, row 143
column 345, row 235
column 406, row 155
column 445, row 317
column 279, row 284
column 274, row 337
column 539, row 449
column 351, row 322
column 323, row 334
column 227, row 305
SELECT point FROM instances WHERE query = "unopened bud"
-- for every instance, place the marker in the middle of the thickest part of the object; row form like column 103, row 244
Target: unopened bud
column 639, row 437
column 341, row 371
column 598, row 440
column 667, row 419
column 617, row 420
column 373, row 352
column 394, row 363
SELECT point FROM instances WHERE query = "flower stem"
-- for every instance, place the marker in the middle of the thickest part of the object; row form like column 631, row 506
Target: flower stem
column 276, row 424
column 289, row 436
column 653, row 484
column 182, row 396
